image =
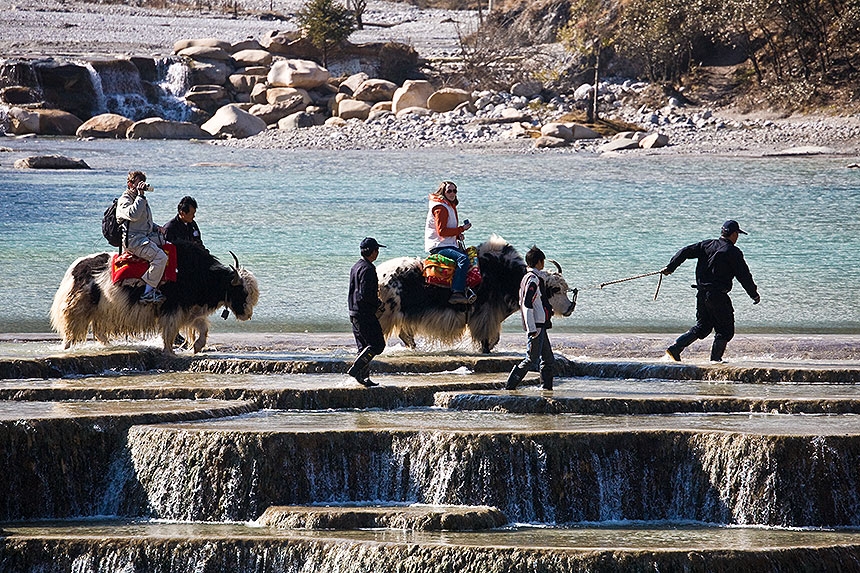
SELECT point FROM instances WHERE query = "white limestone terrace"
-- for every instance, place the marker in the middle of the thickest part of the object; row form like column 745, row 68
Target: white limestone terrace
column 34, row 28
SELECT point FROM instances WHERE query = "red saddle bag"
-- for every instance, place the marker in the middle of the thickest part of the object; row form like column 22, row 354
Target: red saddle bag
column 128, row 266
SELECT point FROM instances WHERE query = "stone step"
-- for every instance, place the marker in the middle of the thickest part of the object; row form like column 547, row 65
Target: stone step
column 717, row 468
column 601, row 396
column 420, row 517
column 63, row 459
column 123, row 546
column 837, row 372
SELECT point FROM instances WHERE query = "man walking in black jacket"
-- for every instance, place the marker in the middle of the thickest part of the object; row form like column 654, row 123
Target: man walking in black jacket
column 719, row 262
column 363, row 306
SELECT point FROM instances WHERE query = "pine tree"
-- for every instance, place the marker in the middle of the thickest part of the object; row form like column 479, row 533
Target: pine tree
column 326, row 24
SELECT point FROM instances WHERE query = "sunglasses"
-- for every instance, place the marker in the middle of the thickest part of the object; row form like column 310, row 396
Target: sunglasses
column 454, row 191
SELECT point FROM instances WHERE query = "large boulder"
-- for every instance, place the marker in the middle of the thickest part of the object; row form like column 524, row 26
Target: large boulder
column 526, row 89
column 17, row 95
column 157, row 128
column 209, row 72
column 245, row 83
column 654, row 140
column 547, row 141
column 249, row 44
column 205, row 53
column 447, row 99
column 231, row 121
column 351, row 84
column 105, row 125
column 557, row 130
column 259, row 93
column 618, row 145
column 23, row 121
column 582, row 132
column 43, row 121
column 297, row 74
column 278, row 95
column 206, row 97
column 277, row 41
column 68, row 87
column 375, row 90
column 413, row 93
column 352, row 108
column 253, row 58
column 298, row 120
column 271, row 113
column 180, row 45
column 50, row 162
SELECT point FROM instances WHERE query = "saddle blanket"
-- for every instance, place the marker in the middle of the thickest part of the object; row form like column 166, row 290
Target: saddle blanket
column 128, row 266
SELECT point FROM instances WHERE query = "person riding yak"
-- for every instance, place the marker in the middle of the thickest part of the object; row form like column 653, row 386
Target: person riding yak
column 442, row 233
column 143, row 238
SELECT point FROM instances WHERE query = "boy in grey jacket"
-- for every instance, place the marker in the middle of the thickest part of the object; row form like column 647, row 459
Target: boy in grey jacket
column 143, row 237
column 536, row 313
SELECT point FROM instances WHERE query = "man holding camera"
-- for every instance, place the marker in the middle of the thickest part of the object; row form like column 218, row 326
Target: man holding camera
column 143, row 238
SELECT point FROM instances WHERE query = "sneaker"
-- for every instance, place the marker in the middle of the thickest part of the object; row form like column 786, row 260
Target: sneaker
column 546, row 386
column 152, row 297
column 674, row 353
column 368, row 383
column 458, row 298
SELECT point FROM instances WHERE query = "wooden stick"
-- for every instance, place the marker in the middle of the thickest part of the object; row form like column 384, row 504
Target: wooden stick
column 630, row 278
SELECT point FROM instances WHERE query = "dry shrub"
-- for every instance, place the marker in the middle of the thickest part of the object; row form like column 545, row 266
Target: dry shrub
column 398, row 62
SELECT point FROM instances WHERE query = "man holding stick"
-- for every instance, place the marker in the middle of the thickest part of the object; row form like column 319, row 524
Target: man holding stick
column 719, row 262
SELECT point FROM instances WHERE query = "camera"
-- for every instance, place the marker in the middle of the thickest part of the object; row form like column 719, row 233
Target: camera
column 145, row 187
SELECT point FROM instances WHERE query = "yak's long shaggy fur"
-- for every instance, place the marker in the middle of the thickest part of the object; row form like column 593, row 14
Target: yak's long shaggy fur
column 88, row 298
column 413, row 309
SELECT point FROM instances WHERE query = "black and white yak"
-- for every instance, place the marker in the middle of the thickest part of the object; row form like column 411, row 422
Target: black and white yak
column 88, row 297
column 412, row 308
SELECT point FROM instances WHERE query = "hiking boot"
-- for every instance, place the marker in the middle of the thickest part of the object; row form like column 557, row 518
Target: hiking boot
column 458, row 298
column 674, row 353
column 368, row 383
column 152, row 297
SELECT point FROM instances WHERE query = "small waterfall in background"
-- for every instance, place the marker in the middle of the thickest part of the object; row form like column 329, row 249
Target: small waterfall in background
column 120, row 89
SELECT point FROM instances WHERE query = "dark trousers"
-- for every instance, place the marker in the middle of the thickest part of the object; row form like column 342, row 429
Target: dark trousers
column 714, row 312
column 538, row 354
column 368, row 333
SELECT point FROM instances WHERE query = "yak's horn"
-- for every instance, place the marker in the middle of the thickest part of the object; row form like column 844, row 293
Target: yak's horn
column 558, row 266
column 237, row 280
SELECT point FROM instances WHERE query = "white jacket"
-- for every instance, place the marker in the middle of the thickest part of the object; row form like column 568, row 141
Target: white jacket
column 534, row 309
column 432, row 239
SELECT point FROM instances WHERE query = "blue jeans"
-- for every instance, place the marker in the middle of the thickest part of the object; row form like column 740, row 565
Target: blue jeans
column 458, row 283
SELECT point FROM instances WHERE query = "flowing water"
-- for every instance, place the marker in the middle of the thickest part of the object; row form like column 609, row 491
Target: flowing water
column 295, row 218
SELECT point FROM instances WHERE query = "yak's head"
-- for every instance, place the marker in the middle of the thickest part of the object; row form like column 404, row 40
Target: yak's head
column 557, row 291
column 243, row 292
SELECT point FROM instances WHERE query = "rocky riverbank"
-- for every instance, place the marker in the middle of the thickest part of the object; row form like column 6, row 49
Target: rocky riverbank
column 235, row 68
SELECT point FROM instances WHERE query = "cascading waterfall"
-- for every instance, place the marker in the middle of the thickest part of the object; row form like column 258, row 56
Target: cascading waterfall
column 120, row 89
column 541, row 478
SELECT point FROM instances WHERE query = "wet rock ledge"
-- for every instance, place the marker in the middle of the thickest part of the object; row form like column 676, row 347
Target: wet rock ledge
column 151, row 359
column 411, row 517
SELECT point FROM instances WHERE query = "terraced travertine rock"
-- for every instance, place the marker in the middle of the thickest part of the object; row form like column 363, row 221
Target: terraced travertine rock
column 413, row 517
column 66, row 458
column 248, row 551
column 732, row 469
column 554, row 404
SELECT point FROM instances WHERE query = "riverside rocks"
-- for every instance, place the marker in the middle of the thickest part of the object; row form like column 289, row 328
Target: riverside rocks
column 413, row 93
column 43, row 121
column 232, row 121
column 50, row 162
column 105, row 125
column 297, row 74
column 157, row 128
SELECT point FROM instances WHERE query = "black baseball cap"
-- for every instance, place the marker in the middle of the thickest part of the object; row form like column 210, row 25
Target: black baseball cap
column 732, row 226
column 369, row 243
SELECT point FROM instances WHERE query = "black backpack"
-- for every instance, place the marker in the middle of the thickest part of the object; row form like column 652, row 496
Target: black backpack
column 111, row 228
